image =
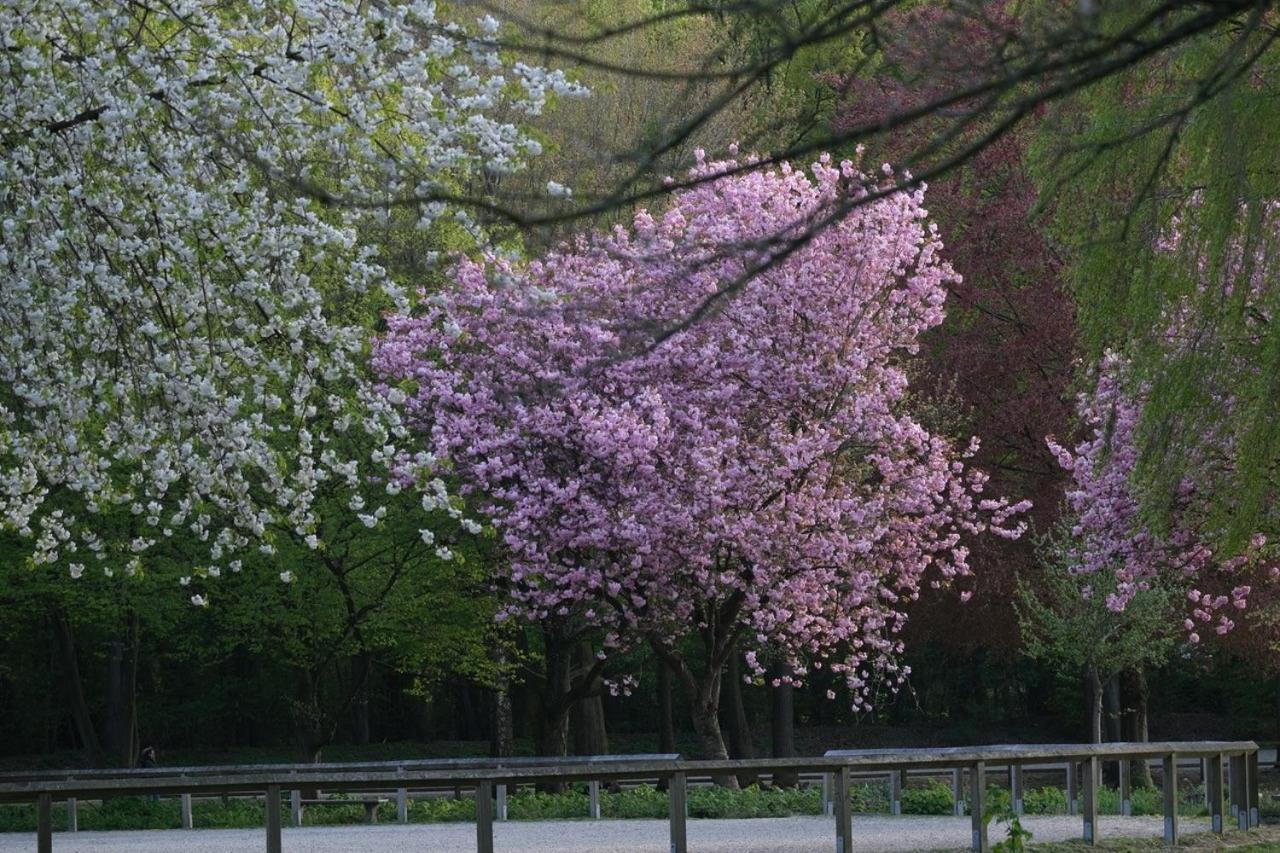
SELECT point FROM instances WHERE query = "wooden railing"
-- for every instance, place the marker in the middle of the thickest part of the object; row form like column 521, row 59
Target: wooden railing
column 484, row 775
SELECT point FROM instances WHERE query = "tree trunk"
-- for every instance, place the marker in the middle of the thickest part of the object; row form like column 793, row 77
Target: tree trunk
column 704, row 710
column 1093, row 702
column 666, row 710
column 783, row 723
column 1135, row 688
column 1111, row 726
column 120, row 725
column 360, row 705
column 503, row 738
column 587, row 716
column 75, row 688
column 740, row 743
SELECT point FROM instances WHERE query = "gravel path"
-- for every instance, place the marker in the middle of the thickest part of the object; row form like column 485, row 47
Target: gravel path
column 763, row 835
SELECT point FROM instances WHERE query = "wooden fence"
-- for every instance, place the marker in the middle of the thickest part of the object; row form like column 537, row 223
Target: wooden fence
column 485, row 777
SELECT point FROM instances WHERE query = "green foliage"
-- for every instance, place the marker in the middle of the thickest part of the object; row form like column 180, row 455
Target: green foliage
column 1017, row 837
column 1044, row 801
column 1067, row 625
column 932, row 799
column 1185, row 139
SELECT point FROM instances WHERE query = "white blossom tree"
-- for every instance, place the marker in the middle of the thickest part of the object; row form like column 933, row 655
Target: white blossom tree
column 187, row 309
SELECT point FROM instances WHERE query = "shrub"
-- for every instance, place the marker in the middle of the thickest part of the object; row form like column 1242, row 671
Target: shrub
column 933, row 799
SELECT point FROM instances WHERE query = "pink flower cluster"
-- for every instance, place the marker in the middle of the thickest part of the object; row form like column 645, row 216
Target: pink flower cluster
column 760, row 466
column 1110, row 534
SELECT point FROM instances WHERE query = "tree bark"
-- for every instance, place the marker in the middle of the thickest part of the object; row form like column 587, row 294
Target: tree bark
column 666, row 710
column 360, row 706
column 75, row 688
column 502, row 740
column 740, row 741
column 1093, row 703
column 1134, row 687
column 1111, row 723
column 120, row 724
column 783, row 729
column 590, row 736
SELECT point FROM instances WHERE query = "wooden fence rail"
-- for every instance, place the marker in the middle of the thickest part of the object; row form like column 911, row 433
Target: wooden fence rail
column 489, row 777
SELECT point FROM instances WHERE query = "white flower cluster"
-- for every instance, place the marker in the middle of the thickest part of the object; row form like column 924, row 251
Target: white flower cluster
column 186, row 308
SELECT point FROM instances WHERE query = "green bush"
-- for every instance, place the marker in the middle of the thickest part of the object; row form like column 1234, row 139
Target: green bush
column 933, row 799
column 1045, row 801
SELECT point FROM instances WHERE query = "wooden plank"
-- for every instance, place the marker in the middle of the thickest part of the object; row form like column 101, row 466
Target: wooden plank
column 828, row 798
column 957, row 792
column 679, row 813
column 73, row 815
column 1015, row 787
column 44, row 824
column 188, row 821
column 295, row 807
column 1126, row 794
column 402, row 805
column 1235, row 791
column 1253, row 797
column 844, row 812
column 502, row 802
column 895, row 792
column 484, row 817
column 1073, row 792
column 1170, row 779
column 593, row 798
column 1213, row 788
column 1089, row 807
column 273, row 819
column 977, row 805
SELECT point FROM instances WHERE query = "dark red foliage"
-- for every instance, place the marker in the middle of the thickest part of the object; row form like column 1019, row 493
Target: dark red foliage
column 1005, row 352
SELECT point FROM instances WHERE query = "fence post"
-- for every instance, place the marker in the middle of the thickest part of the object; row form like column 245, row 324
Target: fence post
column 1126, row 795
column 484, row 817
column 1213, row 786
column 1235, row 785
column 295, row 807
column 844, row 812
column 187, row 822
column 957, row 792
column 1253, row 799
column 895, row 792
column 73, row 815
column 593, row 794
column 1015, row 787
column 977, row 805
column 44, row 824
column 828, row 799
column 502, row 801
column 1204, row 780
column 1073, row 793
column 402, row 805
column 1170, row 778
column 1089, row 808
column 678, row 801
column 273, row 819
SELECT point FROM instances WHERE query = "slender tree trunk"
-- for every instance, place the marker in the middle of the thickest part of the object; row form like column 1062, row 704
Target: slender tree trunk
column 75, row 688
column 666, row 710
column 704, row 711
column 740, row 741
column 360, row 705
column 1112, row 729
column 502, row 742
column 120, row 728
column 1093, row 702
column 783, row 723
column 1136, row 730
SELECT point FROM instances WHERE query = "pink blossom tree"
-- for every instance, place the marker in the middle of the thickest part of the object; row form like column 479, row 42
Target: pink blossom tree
column 1109, row 533
column 756, row 480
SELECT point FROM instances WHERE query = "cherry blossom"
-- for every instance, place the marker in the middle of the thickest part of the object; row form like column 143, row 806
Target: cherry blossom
column 187, row 305
column 757, row 477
